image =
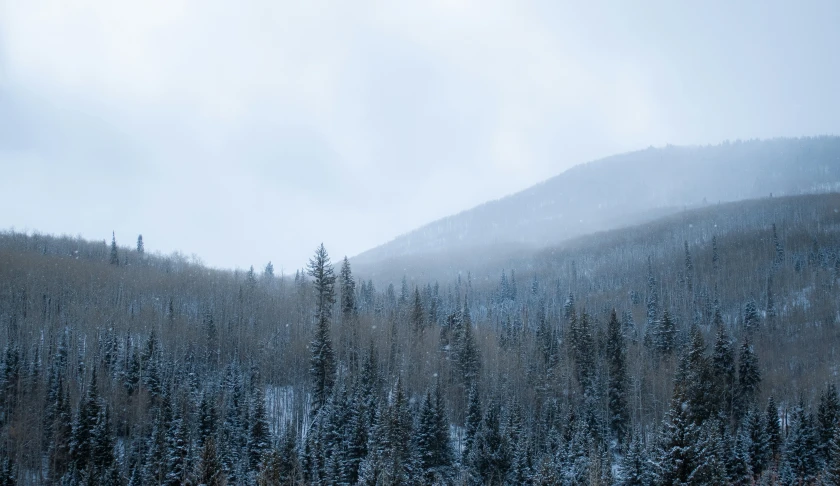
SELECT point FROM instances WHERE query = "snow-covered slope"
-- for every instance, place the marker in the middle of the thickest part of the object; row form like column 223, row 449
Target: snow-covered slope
column 627, row 189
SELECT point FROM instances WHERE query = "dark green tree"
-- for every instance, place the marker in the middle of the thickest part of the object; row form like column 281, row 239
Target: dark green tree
column 723, row 370
column 801, row 452
column 115, row 256
column 749, row 379
column 828, row 417
column 435, row 457
column 619, row 413
column 322, row 361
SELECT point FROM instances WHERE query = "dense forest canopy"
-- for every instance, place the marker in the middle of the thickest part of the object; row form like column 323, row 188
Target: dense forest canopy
column 696, row 349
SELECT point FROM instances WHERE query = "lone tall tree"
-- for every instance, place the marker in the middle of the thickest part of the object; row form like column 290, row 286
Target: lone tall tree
column 115, row 257
column 141, row 249
column 322, row 362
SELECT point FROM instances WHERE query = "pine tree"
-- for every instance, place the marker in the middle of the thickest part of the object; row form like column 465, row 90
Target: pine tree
column 832, row 468
column 490, row 455
column 468, row 361
column 774, row 433
column 418, row 321
column 209, row 470
column 583, row 353
column 666, row 334
column 473, row 423
column 739, row 471
column 801, row 454
column 82, row 442
column 60, row 448
column 435, row 458
column 233, row 431
column 828, row 417
column 141, row 249
column 103, row 461
column 723, row 370
column 348, row 291
column 258, row 433
column 698, row 384
column 389, row 459
column 635, row 468
column 751, row 319
column 177, row 450
column 678, row 454
column 619, row 414
column 771, row 302
column 356, row 439
column 251, row 278
column 151, row 366
column 115, row 256
column 521, row 468
column 322, row 362
column 749, row 379
column 715, row 255
column 754, row 430
column 689, row 269
column 652, row 301
column 268, row 272
column 779, row 259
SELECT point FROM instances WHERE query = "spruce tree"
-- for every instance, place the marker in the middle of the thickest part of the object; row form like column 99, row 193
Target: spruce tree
column 115, row 256
column 635, row 468
column 832, row 467
column 141, row 248
column 259, row 440
column 652, row 300
column 779, row 259
column 435, row 458
column 689, row 270
column 82, row 442
column 468, row 361
column 209, row 470
column 774, row 432
column 723, row 370
column 322, row 361
column 490, row 455
column 665, row 334
column 759, row 451
column 619, row 414
column 751, row 319
column 678, row 453
column 418, row 317
column 698, row 384
column 801, row 453
column 60, row 449
column 177, row 450
column 472, row 424
column 828, row 415
column 749, row 379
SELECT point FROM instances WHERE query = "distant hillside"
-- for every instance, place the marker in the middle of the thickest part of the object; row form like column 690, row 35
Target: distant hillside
column 627, row 189
column 596, row 252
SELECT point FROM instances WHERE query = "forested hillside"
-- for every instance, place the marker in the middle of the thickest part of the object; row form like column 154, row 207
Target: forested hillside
column 623, row 190
column 699, row 348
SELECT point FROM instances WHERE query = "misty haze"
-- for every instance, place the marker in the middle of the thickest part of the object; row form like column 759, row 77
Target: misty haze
column 419, row 243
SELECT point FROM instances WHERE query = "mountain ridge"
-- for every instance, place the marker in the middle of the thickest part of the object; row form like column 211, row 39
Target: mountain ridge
column 629, row 188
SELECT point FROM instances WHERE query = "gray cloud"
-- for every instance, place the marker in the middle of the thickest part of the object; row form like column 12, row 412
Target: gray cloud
column 248, row 133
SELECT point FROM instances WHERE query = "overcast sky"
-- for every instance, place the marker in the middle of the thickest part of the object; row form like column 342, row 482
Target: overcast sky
column 252, row 131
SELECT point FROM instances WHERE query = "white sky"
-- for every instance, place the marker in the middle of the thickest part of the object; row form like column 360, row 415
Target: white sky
column 252, row 131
